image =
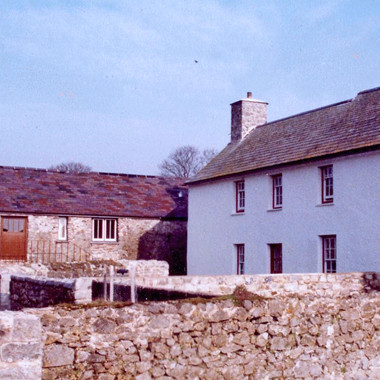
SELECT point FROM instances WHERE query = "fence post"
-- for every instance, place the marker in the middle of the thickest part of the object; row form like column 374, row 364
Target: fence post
column 132, row 274
column 111, row 282
column 105, row 284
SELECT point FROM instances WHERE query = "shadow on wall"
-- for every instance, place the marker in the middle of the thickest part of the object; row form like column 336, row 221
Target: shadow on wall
column 371, row 281
column 167, row 240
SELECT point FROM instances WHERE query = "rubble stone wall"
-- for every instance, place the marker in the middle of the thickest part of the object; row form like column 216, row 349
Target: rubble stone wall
column 20, row 346
column 34, row 292
column 70, row 283
column 243, row 337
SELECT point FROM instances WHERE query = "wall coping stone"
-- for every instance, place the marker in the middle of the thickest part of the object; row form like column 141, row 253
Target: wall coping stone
column 66, row 283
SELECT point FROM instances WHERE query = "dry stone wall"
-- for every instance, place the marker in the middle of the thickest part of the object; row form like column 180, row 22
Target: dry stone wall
column 242, row 337
column 40, row 292
column 67, row 283
column 323, row 284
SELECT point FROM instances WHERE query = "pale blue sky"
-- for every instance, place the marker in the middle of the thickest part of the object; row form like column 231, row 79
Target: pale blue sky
column 114, row 84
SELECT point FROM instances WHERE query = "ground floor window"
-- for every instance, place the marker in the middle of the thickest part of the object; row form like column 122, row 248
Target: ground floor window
column 329, row 253
column 275, row 258
column 62, row 228
column 104, row 229
column 240, row 252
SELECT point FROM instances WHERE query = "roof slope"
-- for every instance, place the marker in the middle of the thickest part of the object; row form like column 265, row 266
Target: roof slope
column 336, row 129
column 38, row 191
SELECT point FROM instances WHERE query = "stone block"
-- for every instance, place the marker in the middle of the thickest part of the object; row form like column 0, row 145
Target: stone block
column 262, row 340
column 302, row 369
column 56, row 355
column 96, row 358
column 257, row 312
column 219, row 316
column 143, row 376
column 13, row 352
column 83, row 290
column 24, row 371
column 27, row 328
column 106, row 376
column 278, row 344
column 104, row 326
column 159, row 322
column 6, row 323
column 82, row 356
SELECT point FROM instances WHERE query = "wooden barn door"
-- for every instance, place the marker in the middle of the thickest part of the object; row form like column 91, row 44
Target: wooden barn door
column 13, row 239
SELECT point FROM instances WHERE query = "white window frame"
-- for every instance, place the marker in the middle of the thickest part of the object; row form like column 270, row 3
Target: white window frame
column 240, row 255
column 277, row 191
column 327, row 175
column 329, row 250
column 62, row 228
column 105, row 229
column 240, row 195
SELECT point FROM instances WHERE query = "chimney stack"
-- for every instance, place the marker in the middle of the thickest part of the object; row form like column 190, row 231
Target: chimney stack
column 246, row 114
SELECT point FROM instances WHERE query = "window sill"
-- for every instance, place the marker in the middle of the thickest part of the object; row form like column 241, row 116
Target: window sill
column 274, row 209
column 237, row 213
column 325, row 204
column 104, row 242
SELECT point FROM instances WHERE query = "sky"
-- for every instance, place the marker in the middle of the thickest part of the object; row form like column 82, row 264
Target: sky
column 118, row 85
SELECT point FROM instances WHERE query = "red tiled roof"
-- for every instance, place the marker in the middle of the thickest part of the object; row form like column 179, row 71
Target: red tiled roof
column 345, row 127
column 39, row 191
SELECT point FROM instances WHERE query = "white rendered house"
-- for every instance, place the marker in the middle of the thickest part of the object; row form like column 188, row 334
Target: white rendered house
column 301, row 194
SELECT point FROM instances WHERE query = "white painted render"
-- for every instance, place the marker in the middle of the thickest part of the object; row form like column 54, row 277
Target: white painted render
column 354, row 217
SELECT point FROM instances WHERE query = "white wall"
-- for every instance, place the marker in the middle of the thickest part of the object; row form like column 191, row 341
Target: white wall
column 354, row 217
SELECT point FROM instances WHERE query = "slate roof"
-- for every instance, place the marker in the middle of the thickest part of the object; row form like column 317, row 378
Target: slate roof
column 39, row 191
column 342, row 128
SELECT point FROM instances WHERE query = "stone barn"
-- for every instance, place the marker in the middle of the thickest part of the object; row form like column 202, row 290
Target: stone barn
column 50, row 216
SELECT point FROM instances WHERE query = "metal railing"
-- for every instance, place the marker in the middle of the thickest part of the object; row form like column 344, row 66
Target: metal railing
column 46, row 251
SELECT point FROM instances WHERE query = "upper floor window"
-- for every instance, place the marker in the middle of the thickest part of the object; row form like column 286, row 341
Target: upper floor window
column 240, row 251
column 277, row 191
column 327, row 184
column 240, row 196
column 62, row 228
column 104, row 229
column 329, row 253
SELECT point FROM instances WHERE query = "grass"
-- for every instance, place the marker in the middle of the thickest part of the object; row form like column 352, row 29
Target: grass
column 239, row 295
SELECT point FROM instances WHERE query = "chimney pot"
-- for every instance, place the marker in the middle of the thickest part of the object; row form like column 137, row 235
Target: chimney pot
column 249, row 95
